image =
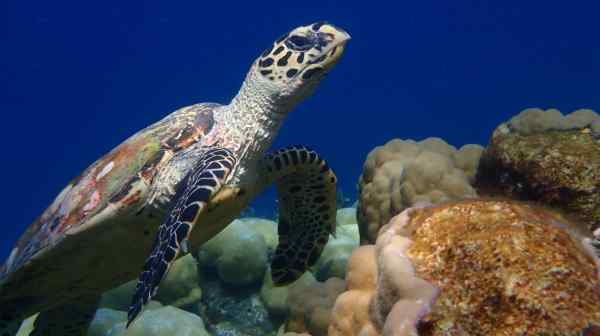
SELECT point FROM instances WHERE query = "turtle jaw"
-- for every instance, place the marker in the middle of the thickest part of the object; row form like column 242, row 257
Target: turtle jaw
column 331, row 45
column 334, row 40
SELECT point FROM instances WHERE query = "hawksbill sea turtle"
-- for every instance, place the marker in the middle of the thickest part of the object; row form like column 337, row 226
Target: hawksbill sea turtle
column 199, row 167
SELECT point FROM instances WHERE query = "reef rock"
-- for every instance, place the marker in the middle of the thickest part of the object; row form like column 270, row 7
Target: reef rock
column 546, row 157
column 402, row 173
column 474, row 267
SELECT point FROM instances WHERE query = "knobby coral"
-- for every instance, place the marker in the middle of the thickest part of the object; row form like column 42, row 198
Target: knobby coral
column 403, row 172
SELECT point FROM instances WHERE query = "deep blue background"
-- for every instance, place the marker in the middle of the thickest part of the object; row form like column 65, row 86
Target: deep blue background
column 78, row 77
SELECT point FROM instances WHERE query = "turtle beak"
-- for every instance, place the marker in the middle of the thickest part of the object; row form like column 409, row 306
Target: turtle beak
column 338, row 35
column 333, row 41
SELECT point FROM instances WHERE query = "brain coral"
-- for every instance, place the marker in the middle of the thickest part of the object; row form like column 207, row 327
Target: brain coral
column 403, row 172
column 546, row 157
column 473, row 267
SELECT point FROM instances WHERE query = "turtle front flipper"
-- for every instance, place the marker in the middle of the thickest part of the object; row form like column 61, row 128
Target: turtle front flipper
column 70, row 319
column 306, row 189
column 191, row 198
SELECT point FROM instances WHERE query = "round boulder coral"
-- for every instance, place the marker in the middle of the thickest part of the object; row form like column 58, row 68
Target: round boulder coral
column 547, row 157
column 335, row 255
column 239, row 253
column 104, row 320
column 162, row 322
column 403, row 173
column 275, row 298
column 346, row 216
column 180, row 288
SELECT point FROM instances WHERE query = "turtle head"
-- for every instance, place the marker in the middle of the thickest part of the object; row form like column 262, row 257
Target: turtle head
column 293, row 66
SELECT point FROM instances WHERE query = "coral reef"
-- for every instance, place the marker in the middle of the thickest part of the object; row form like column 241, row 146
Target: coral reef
column 162, row 322
column 275, row 298
column 119, row 298
column 310, row 303
column 232, row 310
column 534, row 120
column 104, row 320
column 336, row 253
column 547, row 157
column 180, row 288
column 156, row 320
column 350, row 315
column 403, row 172
column 223, row 284
column 332, row 263
column 240, row 252
column 473, row 267
column 346, row 216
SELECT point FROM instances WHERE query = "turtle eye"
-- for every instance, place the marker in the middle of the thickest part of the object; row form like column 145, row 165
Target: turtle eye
column 297, row 42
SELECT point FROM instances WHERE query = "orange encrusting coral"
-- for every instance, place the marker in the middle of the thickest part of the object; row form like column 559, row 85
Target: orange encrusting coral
column 473, row 267
column 503, row 268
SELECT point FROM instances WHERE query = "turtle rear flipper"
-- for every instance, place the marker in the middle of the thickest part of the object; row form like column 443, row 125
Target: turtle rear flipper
column 69, row 319
column 193, row 194
column 9, row 327
column 306, row 189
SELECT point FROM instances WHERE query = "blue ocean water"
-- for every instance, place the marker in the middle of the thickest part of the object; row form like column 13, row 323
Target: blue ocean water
column 77, row 78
